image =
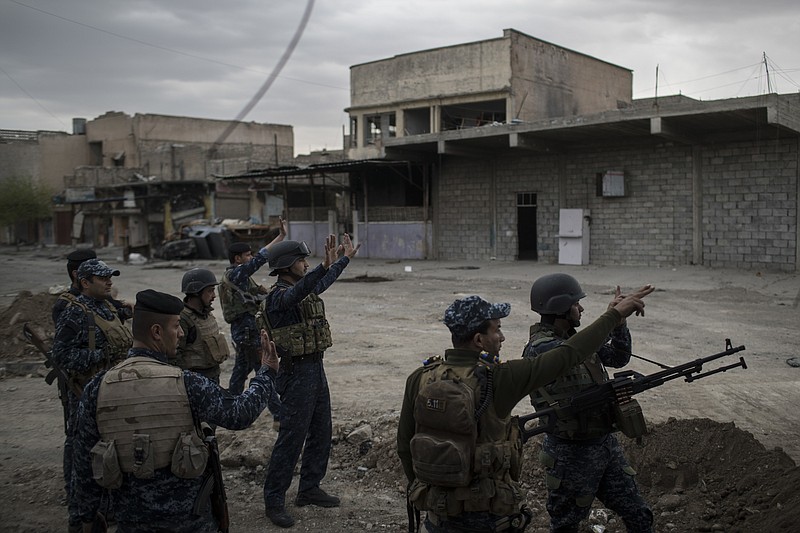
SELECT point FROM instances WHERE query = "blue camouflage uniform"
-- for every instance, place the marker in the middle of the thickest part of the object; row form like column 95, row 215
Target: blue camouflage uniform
column 71, row 353
column 165, row 502
column 581, row 469
column 244, row 332
column 305, row 414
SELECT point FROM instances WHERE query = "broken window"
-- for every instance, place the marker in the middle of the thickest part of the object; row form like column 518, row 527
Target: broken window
column 380, row 126
column 473, row 114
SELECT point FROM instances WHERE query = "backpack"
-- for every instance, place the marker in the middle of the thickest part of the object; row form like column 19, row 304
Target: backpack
column 447, row 409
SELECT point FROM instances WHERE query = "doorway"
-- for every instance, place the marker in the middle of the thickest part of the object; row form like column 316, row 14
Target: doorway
column 526, row 226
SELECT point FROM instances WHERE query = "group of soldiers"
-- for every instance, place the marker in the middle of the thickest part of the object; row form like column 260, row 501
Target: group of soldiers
column 142, row 387
column 142, row 400
column 460, row 448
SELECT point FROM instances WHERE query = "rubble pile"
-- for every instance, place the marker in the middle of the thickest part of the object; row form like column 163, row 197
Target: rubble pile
column 35, row 309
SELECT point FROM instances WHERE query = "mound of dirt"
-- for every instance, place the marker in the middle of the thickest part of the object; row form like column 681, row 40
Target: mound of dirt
column 697, row 475
column 27, row 307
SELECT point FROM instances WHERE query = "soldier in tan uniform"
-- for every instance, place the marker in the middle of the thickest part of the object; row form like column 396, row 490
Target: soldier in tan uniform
column 203, row 348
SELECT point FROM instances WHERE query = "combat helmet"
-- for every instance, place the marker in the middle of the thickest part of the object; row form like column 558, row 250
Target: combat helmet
column 554, row 294
column 285, row 253
column 197, row 279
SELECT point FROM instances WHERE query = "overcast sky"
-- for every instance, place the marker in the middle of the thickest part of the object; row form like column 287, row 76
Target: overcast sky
column 61, row 59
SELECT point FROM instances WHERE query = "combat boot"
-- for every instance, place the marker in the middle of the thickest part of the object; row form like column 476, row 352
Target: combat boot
column 316, row 496
column 279, row 516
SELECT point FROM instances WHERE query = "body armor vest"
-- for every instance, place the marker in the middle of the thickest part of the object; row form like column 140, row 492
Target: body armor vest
column 68, row 297
column 209, row 348
column 119, row 340
column 311, row 335
column 486, row 450
column 236, row 302
column 143, row 411
column 590, row 424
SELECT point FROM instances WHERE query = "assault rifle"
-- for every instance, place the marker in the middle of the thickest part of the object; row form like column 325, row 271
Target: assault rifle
column 616, row 394
column 56, row 372
column 213, row 488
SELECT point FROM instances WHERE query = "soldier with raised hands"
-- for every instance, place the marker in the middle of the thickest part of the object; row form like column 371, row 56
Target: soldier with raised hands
column 294, row 314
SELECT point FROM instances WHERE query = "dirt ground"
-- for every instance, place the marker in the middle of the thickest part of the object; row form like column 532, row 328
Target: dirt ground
column 721, row 456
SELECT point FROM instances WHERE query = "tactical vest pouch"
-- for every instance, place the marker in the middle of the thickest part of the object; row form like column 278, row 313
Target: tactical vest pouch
column 290, row 339
column 235, row 301
column 143, row 465
column 443, row 446
column 190, row 457
column 629, row 419
column 322, row 335
column 118, row 336
column 506, row 499
column 105, row 465
column 318, row 337
column 216, row 348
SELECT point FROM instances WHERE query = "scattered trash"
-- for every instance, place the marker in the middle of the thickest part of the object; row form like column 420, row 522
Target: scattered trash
column 136, row 259
column 58, row 289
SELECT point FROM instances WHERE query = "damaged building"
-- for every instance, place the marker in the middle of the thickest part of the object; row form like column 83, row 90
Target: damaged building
column 133, row 181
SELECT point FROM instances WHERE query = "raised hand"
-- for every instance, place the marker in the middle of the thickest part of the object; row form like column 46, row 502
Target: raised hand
column 269, row 354
column 281, row 234
column 281, row 229
column 632, row 303
column 618, row 296
column 331, row 251
column 347, row 246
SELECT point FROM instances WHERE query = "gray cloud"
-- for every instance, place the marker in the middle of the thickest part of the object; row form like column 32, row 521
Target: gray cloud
column 207, row 58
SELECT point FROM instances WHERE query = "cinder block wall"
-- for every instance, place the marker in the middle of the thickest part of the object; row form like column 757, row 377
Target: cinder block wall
column 749, row 204
column 465, row 221
column 750, row 196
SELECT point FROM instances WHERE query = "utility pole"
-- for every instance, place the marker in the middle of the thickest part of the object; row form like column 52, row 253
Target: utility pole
column 766, row 69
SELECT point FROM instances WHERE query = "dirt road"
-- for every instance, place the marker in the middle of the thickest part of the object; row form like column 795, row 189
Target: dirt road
column 386, row 318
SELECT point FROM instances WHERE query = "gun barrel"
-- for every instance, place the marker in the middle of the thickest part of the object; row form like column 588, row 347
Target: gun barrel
column 622, row 387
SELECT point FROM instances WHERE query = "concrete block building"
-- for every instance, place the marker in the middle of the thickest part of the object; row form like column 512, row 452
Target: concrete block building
column 534, row 151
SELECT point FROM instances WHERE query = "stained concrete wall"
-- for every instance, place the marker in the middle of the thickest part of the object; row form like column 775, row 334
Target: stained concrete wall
column 453, row 70
column 61, row 153
column 114, row 130
column 536, row 79
column 20, row 160
column 748, row 196
column 46, row 160
column 551, row 81
column 395, row 240
column 177, row 148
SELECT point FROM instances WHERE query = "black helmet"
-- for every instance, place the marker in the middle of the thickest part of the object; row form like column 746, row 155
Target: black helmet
column 554, row 294
column 285, row 253
column 197, row 279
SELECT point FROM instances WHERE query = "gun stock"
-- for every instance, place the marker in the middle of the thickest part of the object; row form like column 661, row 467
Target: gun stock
column 57, row 371
column 618, row 391
column 219, row 500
